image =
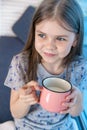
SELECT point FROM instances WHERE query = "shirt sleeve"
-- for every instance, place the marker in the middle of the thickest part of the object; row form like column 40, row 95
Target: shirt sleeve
column 16, row 76
column 82, row 73
column 79, row 74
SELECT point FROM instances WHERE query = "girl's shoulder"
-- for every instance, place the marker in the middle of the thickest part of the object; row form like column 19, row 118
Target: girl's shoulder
column 79, row 62
column 17, row 74
column 20, row 57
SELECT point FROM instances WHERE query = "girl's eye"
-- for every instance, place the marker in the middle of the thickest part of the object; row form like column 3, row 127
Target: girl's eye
column 42, row 35
column 61, row 39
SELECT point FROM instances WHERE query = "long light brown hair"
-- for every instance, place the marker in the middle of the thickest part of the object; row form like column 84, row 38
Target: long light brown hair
column 69, row 14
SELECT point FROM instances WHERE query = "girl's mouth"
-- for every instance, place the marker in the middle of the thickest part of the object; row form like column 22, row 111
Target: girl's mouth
column 49, row 54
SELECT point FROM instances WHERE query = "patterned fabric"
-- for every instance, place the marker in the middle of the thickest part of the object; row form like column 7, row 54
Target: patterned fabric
column 38, row 118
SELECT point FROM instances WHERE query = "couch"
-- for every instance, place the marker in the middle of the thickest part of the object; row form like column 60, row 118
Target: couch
column 9, row 46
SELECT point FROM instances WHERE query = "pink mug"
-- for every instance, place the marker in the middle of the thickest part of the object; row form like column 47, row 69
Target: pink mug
column 53, row 93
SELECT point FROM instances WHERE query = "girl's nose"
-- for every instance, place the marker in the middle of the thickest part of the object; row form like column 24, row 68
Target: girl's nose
column 51, row 44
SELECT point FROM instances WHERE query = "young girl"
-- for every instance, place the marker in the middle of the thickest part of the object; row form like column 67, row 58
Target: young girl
column 53, row 49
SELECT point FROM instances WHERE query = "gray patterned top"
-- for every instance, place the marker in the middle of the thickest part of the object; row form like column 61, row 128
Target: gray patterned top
column 38, row 118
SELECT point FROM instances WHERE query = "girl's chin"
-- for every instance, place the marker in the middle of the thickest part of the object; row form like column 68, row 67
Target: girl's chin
column 49, row 61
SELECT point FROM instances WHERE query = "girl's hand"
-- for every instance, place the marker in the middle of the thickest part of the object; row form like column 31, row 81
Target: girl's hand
column 27, row 93
column 73, row 103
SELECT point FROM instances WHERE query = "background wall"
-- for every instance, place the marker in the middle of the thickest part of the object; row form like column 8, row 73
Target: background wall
column 11, row 11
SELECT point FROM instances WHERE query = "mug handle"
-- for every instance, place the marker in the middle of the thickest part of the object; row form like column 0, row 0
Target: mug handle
column 40, row 91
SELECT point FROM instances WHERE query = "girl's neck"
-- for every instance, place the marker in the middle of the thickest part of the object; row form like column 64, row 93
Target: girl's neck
column 53, row 68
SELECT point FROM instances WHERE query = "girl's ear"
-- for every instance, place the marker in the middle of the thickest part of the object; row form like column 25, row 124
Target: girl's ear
column 75, row 41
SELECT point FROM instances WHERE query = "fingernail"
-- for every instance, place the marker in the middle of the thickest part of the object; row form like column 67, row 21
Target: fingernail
column 67, row 98
column 61, row 112
column 63, row 104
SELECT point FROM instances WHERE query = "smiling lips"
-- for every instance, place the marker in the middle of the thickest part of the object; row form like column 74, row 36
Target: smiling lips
column 49, row 54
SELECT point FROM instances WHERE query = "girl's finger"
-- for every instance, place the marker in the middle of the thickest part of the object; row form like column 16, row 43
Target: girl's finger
column 33, row 84
column 73, row 93
column 65, row 111
column 33, row 102
column 29, row 87
column 29, row 100
column 31, row 95
column 71, row 103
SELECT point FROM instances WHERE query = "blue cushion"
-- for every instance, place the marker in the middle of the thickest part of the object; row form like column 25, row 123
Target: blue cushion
column 21, row 27
column 9, row 46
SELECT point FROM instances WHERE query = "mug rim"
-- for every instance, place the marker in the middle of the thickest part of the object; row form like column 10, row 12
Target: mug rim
column 54, row 90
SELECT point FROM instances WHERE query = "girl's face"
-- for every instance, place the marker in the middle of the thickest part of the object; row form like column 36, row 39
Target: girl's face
column 52, row 41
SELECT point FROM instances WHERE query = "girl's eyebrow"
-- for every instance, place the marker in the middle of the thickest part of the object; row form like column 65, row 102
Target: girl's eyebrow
column 40, row 31
column 55, row 35
column 62, row 36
